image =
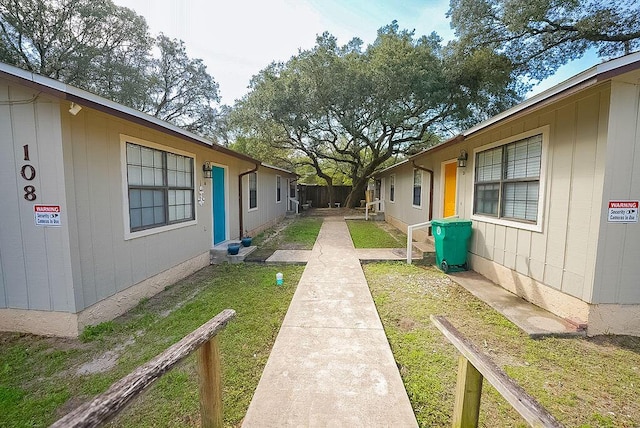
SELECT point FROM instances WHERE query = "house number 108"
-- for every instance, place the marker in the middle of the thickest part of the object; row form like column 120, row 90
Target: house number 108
column 28, row 172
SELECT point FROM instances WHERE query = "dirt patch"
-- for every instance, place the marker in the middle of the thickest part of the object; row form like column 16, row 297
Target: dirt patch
column 106, row 361
column 101, row 364
column 176, row 295
column 260, row 255
column 406, row 324
column 275, row 239
column 171, row 298
column 52, row 343
column 165, row 313
column 268, row 236
column 393, row 232
column 292, row 246
column 69, row 405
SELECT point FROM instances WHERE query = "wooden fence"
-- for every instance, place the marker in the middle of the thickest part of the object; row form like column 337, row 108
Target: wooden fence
column 473, row 365
column 204, row 340
column 319, row 195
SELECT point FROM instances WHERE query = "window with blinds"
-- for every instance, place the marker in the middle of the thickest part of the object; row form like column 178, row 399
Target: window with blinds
column 160, row 187
column 392, row 188
column 507, row 180
column 253, row 190
column 417, row 187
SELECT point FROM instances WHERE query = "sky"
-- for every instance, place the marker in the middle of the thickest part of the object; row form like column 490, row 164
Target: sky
column 238, row 38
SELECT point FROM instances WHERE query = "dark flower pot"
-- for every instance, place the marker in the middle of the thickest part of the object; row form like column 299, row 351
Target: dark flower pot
column 246, row 241
column 233, row 249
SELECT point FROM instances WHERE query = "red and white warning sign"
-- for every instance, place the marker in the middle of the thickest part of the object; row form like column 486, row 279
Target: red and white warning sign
column 623, row 212
column 47, row 215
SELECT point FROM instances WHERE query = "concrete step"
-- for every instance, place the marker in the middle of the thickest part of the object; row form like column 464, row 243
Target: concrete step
column 427, row 249
column 219, row 253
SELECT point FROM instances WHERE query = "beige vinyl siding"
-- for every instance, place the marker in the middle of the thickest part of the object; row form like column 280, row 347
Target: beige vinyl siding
column 269, row 211
column 92, row 265
column 562, row 255
column 402, row 208
column 618, row 267
column 591, row 158
column 35, row 263
column 104, row 262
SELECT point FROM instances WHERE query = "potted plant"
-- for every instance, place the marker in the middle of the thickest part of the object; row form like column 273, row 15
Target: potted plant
column 246, row 239
column 233, row 248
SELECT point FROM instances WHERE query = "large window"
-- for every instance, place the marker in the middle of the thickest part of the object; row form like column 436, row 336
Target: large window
column 417, row 187
column 392, row 188
column 507, row 180
column 253, row 190
column 160, row 187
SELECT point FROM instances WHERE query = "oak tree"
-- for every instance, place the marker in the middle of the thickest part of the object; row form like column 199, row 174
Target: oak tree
column 107, row 50
column 539, row 36
column 356, row 109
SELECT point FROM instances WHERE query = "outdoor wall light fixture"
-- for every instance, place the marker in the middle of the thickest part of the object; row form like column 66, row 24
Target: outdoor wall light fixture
column 462, row 159
column 75, row 108
column 207, row 170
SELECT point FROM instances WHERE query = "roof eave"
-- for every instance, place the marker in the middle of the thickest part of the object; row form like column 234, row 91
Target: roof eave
column 84, row 98
column 451, row 141
column 590, row 77
column 276, row 168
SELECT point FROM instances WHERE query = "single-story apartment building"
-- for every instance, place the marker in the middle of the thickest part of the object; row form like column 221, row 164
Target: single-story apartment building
column 105, row 205
column 552, row 187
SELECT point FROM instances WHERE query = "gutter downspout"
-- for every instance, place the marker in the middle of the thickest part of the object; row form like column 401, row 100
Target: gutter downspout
column 430, row 191
column 240, row 197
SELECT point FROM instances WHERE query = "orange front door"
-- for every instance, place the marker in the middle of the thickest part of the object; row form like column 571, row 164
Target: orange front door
column 450, row 173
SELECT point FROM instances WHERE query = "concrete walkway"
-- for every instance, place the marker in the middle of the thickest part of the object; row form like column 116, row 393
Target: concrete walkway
column 362, row 254
column 331, row 364
column 531, row 319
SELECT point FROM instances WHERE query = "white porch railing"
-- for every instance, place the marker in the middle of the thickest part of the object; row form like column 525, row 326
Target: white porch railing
column 410, row 230
column 296, row 203
column 377, row 202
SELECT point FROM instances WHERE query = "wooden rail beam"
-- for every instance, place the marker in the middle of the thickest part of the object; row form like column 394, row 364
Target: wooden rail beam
column 108, row 404
column 523, row 403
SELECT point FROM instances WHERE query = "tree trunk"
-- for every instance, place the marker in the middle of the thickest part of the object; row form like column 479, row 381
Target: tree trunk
column 357, row 193
column 330, row 190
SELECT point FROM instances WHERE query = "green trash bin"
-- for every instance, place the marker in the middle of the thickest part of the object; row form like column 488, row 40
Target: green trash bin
column 452, row 243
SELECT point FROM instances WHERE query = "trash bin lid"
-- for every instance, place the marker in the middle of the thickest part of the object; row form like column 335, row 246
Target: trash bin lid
column 451, row 222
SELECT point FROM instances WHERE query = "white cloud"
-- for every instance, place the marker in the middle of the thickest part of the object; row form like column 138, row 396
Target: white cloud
column 235, row 39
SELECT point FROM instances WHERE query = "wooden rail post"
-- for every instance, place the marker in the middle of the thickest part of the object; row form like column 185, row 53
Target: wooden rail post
column 108, row 404
column 210, row 384
column 468, row 392
column 528, row 407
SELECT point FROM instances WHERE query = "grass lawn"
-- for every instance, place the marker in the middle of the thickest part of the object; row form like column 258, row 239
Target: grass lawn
column 291, row 234
column 375, row 234
column 302, row 233
column 583, row 382
column 41, row 380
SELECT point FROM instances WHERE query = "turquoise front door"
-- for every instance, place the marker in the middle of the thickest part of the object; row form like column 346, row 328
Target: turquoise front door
column 219, row 212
